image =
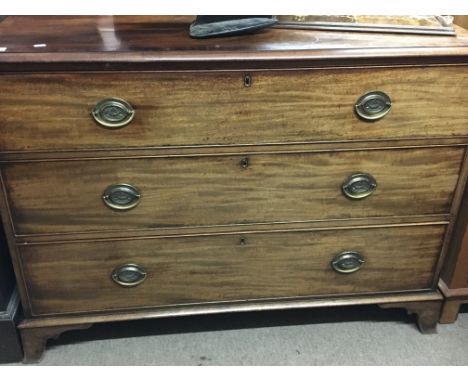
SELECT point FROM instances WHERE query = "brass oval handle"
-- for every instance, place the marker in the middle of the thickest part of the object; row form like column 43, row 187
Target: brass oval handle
column 359, row 186
column 121, row 196
column 373, row 106
column 129, row 275
column 113, row 113
column 347, row 262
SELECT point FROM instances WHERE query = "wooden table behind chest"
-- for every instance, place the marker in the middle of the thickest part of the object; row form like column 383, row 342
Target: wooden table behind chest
column 145, row 174
column 454, row 277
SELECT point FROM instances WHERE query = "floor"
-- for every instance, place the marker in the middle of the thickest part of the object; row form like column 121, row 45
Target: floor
column 363, row 335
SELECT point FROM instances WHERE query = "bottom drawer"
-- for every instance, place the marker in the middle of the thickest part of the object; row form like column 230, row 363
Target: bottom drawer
column 85, row 276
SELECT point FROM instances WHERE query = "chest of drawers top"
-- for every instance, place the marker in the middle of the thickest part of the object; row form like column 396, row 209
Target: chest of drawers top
column 162, row 42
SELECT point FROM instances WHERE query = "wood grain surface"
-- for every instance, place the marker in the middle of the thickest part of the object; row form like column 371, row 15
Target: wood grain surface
column 169, row 33
column 215, row 236
column 76, row 277
column 50, row 43
column 65, row 197
column 52, row 112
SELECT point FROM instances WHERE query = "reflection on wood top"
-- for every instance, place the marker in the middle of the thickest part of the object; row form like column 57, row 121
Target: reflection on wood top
column 158, row 40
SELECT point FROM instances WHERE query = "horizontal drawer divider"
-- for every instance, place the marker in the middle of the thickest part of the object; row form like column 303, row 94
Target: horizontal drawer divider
column 226, row 150
column 235, row 229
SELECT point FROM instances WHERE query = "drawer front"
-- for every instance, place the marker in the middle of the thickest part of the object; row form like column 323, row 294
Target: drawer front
column 73, row 277
column 56, row 197
column 46, row 112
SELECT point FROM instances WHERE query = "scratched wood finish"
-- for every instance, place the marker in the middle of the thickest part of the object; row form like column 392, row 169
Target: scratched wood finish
column 59, row 197
column 45, row 112
column 220, row 268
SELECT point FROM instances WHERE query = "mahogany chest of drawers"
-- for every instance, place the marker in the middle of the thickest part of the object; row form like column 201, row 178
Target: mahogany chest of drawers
column 145, row 174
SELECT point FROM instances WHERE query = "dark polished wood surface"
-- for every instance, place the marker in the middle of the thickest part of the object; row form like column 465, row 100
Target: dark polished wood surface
column 193, row 125
column 226, row 268
column 41, row 112
column 216, row 190
column 39, row 34
column 109, row 40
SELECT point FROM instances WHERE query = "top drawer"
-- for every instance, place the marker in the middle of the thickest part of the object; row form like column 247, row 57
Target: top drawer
column 53, row 111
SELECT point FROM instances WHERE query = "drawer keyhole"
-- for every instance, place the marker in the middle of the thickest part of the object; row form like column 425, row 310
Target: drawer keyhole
column 247, row 80
column 244, row 163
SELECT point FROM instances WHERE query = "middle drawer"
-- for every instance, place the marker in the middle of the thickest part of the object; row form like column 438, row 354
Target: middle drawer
column 67, row 196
